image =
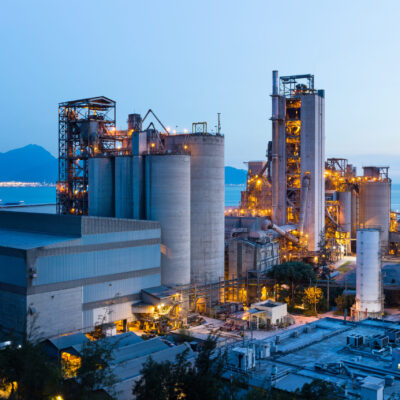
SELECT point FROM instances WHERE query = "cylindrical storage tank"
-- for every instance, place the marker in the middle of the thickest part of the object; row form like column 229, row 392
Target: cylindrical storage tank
column 207, row 184
column 374, row 209
column 344, row 199
column 354, row 219
column 123, row 187
column 168, row 201
column 101, row 187
column 368, row 274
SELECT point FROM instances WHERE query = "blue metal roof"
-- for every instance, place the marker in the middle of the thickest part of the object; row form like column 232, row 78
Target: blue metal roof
column 30, row 240
column 63, row 342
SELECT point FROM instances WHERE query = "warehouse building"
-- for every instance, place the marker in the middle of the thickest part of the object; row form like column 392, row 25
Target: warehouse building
column 70, row 273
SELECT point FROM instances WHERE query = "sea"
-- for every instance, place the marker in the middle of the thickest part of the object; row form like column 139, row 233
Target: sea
column 41, row 195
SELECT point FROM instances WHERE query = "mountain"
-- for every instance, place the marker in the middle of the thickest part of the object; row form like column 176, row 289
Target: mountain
column 31, row 163
column 234, row 176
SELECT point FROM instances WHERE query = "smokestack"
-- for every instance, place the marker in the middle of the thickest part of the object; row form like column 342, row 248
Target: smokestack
column 275, row 135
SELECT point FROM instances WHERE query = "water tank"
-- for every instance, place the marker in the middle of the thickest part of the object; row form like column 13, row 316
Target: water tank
column 207, row 184
column 123, row 187
column 101, row 187
column 168, row 201
column 374, row 209
column 368, row 274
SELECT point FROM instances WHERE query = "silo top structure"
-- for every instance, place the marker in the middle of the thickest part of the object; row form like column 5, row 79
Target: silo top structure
column 298, row 155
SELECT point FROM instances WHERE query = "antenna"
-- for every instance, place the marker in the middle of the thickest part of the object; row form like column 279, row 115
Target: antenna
column 219, row 124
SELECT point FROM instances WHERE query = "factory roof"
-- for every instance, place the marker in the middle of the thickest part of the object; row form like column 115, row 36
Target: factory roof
column 65, row 341
column 160, row 292
column 25, row 231
column 320, row 351
column 35, row 208
column 29, row 240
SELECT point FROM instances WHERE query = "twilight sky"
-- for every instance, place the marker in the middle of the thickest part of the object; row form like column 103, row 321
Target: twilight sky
column 188, row 60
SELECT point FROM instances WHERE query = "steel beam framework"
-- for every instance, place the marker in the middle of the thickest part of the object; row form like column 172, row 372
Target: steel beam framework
column 86, row 128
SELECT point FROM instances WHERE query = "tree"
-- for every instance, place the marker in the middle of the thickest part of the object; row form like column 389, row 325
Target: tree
column 182, row 379
column 325, row 251
column 320, row 390
column 294, row 274
column 162, row 381
column 27, row 373
column 95, row 369
column 344, row 302
column 312, row 296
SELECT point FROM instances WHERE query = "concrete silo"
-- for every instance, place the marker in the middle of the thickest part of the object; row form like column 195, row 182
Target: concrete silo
column 123, row 187
column 369, row 297
column 374, row 209
column 207, row 182
column 101, row 187
column 167, row 188
column 345, row 214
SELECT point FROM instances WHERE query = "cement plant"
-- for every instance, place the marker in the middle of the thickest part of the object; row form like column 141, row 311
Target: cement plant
column 142, row 249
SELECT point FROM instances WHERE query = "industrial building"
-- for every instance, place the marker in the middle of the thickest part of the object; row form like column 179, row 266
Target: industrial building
column 304, row 198
column 129, row 354
column 143, row 173
column 66, row 274
column 298, row 155
column 256, row 254
column 361, row 359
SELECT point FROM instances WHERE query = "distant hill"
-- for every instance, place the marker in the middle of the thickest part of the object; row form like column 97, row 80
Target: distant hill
column 234, row 176
column 31, row 163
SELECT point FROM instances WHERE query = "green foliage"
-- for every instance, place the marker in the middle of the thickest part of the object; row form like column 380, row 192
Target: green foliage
column 319, row 390
column 312, row 297
column 27, row 372
column 325, row 251
column 293, row 274
column 201, row 380
column 95, row 369
column 344, row 302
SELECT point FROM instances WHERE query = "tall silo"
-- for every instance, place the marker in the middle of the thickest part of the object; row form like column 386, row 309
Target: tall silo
column 168, row 201
column 344, row 199
column 101, row 187
column 207, row 183
column 374, row 209
column 369, row 297
column 123, row 187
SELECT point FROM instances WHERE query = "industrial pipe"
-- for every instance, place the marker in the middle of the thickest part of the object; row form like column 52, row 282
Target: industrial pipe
column 306, row 187
column 276, row 228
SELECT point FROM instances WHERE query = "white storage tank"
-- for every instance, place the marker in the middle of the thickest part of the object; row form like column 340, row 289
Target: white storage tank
column 374, row 209
column 101, row 187
column 123, row 187
column 207, row 183
column 369, row 297
column 168, row 201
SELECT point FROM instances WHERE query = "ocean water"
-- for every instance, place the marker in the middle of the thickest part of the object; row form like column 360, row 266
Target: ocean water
column 37, row 195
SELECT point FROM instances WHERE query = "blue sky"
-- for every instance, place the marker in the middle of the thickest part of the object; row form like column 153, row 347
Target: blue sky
column 188, row 60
